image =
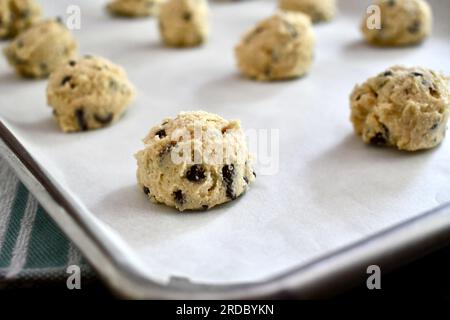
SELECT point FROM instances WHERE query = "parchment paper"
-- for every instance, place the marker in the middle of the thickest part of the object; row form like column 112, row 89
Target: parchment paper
column 331, row 189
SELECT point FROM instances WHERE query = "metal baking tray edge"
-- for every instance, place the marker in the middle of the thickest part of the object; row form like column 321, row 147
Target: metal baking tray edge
column 320, row 278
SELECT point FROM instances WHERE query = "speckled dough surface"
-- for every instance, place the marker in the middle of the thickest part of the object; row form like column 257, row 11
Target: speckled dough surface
column 16, row 16
column 39, row 50
column 406, row 108
column 88, row 93
column 134, row 8
column 403, row 22
column 184, row 23
column 200, row 179
column 317, row 10
column 279, row 47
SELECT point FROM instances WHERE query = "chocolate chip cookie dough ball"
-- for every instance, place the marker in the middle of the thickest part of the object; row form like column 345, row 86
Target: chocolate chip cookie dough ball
column 405, row 108
column 280, row 47
column 403, row 22
column 88, row 93
column 184, row 23
column 134, row 8
column 195, row 162
column 317, row 10
column 16, row 16
column 39, row 50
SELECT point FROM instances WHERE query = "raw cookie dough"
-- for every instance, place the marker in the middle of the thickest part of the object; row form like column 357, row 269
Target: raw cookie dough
column 38, row 51
column 403, row 22
column 16, row 16
column 317, row 10
column 279, row 47
column 406, row 108
column 134, row 8
column 170, row 172
column 184, row 23
column 88, row 93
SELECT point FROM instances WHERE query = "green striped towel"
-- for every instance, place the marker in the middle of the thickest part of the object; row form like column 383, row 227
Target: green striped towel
column 32, row 247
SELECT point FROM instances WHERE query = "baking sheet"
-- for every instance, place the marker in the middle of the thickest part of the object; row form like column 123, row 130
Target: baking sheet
column 331, row 189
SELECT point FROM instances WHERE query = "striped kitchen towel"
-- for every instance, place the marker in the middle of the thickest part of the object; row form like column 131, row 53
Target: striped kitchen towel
column 32, row 247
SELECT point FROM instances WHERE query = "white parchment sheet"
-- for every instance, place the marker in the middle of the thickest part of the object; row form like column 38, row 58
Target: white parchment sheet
column 330, row 190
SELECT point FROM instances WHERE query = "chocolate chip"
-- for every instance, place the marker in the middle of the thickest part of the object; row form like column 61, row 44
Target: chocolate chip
column 205, row 207
column 383, row 84
column 435, row 126
column 161, row 133
column 228, row 174
column 65, row 80
column 388, row 73
column 417, row 74
column 146, row 190
column 317, row 16
column 195, row 173
column 72, row 63
column 246, row 180
column 104, row 119
column 254, row 174
column 179, row 197
column 79, row 115
column 378, row 140
column 381, row 138
column 434, row 92
column 415, row 27
column 258, row 30
column 24, row 14
column 113, row 84
column 187, row 16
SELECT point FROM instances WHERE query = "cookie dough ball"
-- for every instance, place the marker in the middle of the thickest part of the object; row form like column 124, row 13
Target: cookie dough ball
column 406, row 108
column 134, row 8
column 195, row 162
column 88, row 93
column 403, row 22
column 16, row 16
column 317, row 10
column 39, row 50
column 280, row 47
column 184, row 23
